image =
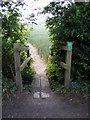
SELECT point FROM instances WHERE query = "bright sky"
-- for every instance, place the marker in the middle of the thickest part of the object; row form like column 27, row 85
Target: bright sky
column 35, row 6
column 31, row 8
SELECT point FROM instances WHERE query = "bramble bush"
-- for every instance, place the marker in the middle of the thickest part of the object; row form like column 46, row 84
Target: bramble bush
column 71, row 24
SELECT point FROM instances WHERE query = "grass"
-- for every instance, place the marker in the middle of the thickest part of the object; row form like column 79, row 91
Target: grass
column 40, row 39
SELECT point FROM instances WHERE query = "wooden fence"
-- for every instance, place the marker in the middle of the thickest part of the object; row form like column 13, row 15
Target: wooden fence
column 67, row 65
column 18, row 67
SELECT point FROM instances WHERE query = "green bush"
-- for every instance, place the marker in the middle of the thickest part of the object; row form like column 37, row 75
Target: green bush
column 70, row 24
column 8, row 86
column 13, row 31
column 54, row 72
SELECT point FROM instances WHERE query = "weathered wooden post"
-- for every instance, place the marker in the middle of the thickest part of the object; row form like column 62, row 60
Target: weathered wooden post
column 18, row 76
column 68, row 64
column 28, row 55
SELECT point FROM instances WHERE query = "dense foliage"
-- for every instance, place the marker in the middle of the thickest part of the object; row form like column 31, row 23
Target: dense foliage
column 69, row 23
column 12, row 31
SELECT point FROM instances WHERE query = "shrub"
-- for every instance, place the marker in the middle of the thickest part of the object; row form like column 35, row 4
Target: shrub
column 70, row 24
column 12, row 31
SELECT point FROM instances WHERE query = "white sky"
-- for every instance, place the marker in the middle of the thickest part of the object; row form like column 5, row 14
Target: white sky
column 32, row 5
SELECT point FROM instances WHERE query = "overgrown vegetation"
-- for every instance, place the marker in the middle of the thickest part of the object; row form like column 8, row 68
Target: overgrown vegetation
column 71, row 24
column 13, row 31
column 40, row 39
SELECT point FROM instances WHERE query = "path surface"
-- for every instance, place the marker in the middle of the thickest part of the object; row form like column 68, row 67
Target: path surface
column 39, row 64
column 48, row 105
column 40, row 83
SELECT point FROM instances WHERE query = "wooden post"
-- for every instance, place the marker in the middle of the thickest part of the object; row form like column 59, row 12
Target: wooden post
column 68, row 64
column 28, row 55
column 18, row 76
column 24, row 64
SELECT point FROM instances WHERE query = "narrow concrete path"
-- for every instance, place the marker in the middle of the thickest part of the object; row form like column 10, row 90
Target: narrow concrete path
column 40, row 84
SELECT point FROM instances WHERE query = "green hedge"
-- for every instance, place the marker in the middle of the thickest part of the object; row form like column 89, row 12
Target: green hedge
column 12, row 31
column 70, row 24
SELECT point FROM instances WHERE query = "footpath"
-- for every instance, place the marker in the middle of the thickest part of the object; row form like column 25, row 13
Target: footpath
column 40, row 84
column 42, row 102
